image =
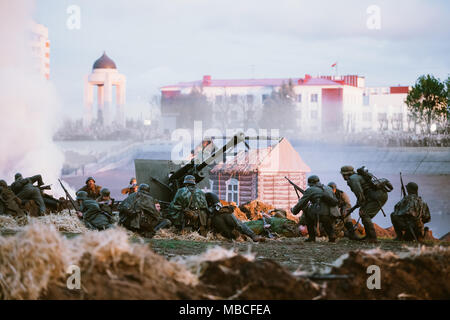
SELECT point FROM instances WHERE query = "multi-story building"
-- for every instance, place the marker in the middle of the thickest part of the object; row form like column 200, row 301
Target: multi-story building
column 40, row 46
column 325, row 103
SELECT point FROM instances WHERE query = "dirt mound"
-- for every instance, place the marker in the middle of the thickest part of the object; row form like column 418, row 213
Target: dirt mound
column 420, row 274
column 240, row 278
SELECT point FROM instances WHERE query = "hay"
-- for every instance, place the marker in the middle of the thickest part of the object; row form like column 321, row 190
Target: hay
column 191, row 236
column 30, row 260
column 8, row 223
column 65, row 222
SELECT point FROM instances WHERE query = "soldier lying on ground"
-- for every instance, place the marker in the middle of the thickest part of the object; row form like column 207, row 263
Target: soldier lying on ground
column 10, row 204
column 92, row 190
column 138, row 213
column 410, row 214
column 189, row 209
column 223, row 220
column 318, row 203
column 93, row 217
column 25, row 190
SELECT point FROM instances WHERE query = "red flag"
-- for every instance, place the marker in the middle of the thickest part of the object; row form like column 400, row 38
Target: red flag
column 334, row 64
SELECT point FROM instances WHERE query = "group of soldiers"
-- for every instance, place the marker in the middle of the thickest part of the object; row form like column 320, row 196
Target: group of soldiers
column 190, row 210
column 327, row 207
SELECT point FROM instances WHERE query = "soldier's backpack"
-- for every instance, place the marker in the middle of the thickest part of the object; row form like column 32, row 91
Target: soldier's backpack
column 376, row 183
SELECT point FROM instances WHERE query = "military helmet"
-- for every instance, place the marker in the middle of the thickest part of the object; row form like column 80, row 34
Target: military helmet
column 3, row 184
column 312, row 180
column 332, row 185
column 144, row 187
column 412, row 187
column 17, row 176
column 211, row 198
column 131, row 181
column 105, row 192
column 189, row 179
column 89, row 178
column 82, row 195
column 347, row 170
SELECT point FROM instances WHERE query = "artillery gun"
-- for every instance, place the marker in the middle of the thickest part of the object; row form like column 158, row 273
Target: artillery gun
column 165, row 177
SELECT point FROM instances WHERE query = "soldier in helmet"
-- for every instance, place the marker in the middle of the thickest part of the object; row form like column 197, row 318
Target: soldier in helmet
column 370, row 199
column 410, row 214
column 223, row 220
column 25, row 189
column 344, row 206
column 318, row 204
column 93, row 190
column 138, row 213
column 189, row 207
column 91, row 213
column 105, row 201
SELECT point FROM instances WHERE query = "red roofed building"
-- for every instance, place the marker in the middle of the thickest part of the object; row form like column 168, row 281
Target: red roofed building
column 325, row 103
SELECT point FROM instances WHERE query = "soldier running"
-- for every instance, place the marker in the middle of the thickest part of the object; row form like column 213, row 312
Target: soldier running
column 318, row 203
column 409, row 215
column 369, row 199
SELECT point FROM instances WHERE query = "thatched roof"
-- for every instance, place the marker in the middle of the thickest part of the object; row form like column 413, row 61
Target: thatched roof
column 279, row 157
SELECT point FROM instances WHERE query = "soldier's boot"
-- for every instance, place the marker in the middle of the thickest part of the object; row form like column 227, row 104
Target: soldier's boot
column 311, row 233
column 162, row 225
column 350, row 230
column 371, row 234
column 203, row 231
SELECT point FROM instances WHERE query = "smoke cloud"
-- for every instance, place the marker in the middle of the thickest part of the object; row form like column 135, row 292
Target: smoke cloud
column 28, row 102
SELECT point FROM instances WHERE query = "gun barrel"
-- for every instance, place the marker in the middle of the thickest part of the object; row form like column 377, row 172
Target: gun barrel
column 234, row 141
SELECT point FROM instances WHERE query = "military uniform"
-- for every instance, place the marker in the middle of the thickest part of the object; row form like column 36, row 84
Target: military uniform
column 409, row 216
column 94, row 193
column 318, row 203
column 10, row 204
column 189, row 209
column 138, row 213
column 371, row 200
column 25, row 190
column 94, row 217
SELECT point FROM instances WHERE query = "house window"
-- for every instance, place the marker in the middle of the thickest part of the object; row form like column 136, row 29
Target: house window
column 232, row 190
column 250, row 99
column 264, row 97
column 314, row 97
column 314, row 114
column 234, row 98
column 299, row 98
column 219, row 99
column 366, row 101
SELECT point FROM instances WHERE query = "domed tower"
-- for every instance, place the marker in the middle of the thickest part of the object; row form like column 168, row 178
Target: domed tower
column 104, row 75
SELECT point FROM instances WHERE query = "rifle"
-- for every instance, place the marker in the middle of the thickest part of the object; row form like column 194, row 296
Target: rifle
column 403, row 186
column 296, row 187
column 68, row 196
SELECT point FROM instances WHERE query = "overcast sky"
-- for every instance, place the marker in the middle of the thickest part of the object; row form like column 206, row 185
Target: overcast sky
column 156, row 43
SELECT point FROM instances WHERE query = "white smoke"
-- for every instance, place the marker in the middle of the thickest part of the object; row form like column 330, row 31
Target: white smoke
column 29, row 108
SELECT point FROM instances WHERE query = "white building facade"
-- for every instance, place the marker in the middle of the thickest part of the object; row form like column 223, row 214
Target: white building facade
column 326, row 103
column 40, row 47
